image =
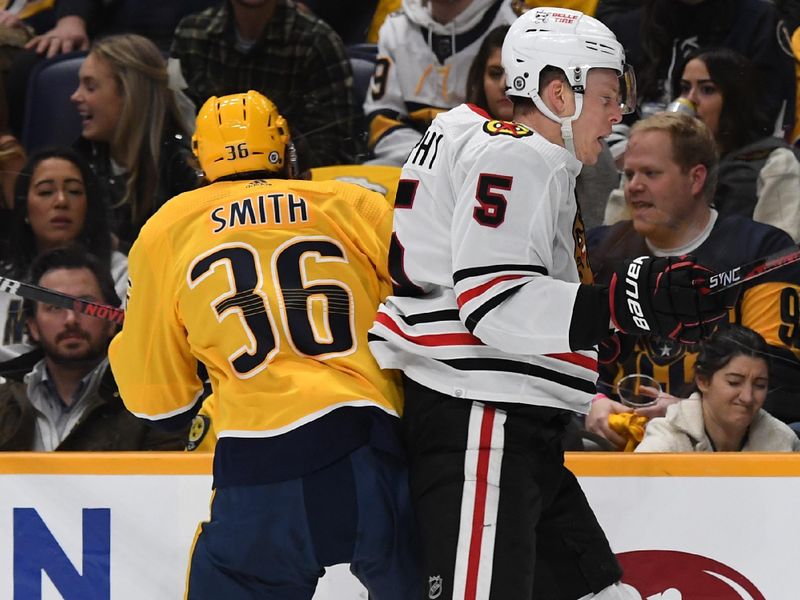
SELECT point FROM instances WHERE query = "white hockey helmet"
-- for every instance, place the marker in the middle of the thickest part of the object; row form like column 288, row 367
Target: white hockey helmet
column 571, row 41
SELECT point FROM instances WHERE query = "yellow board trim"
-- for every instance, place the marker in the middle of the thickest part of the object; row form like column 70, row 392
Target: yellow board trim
column 732, row 464
column 588, row 464
column 105, row 463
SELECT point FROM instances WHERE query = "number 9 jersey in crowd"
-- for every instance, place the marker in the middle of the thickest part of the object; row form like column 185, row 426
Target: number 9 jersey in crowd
column 487, row 257
column 262, row 291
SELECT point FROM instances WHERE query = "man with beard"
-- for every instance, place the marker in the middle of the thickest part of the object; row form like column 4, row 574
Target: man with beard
column 69, row 400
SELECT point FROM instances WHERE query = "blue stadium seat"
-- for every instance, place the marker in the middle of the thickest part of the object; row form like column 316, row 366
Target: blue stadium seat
column 50, row 118
column 362, row 74
column 362, row 50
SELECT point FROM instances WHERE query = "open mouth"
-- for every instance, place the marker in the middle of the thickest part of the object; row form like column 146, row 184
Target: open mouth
column 640, row 204
column 86, row 117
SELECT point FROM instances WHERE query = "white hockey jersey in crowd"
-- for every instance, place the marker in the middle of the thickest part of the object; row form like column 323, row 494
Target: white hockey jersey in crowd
column 422, row 70
column 488, row 252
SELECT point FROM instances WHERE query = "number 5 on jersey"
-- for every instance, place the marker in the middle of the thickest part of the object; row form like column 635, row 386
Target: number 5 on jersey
column 299, row 300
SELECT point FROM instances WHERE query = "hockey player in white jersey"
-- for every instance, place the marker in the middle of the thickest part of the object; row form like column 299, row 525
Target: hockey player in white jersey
column 495, row 319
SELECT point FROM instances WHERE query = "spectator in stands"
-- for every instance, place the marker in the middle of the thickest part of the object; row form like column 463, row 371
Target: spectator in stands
column 70, row 25
column 424, row 54
column 295, row 59
column 58, row 29
column 725, row 414
column 670, row 168
column 69, row 31
column 486, row 80
column 134, row 136
column 759, row 174
column 69, row 400
column 16, row 31
column 56, row 203
column 659, row 34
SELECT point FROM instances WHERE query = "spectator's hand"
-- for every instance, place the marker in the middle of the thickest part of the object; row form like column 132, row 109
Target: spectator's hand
column 10, row 20
column 597, row 419
column 659, row 409
column 69, row 34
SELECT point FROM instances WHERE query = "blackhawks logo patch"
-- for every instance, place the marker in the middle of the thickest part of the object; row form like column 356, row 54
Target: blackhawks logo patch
column 516, row 130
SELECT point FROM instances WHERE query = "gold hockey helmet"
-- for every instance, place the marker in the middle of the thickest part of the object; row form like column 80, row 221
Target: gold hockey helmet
column 240, row 133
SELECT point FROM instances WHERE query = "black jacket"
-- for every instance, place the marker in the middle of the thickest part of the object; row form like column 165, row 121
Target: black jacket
column 178, row 173
column 106, row 425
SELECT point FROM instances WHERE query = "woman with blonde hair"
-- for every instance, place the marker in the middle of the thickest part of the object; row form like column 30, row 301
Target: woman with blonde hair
column 133, row 134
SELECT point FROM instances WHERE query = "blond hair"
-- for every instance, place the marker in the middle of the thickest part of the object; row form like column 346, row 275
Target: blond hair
column 692, row 144
column 147, row 102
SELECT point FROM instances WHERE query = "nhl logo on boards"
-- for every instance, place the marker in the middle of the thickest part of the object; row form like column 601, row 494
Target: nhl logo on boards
column 516, row 130
column 434, row 586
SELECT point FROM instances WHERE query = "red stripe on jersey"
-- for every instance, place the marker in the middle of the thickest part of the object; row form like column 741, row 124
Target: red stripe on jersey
column 576, row 359
column 482, row 475
column 465, row 297
column 432, row 339
column 478, row 110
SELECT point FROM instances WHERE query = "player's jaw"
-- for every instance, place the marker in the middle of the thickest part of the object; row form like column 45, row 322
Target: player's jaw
column 588, row 146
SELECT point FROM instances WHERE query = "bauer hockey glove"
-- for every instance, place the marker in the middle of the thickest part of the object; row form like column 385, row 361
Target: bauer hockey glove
column 657, row 295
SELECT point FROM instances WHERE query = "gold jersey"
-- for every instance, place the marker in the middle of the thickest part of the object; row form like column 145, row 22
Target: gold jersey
column 269, row 288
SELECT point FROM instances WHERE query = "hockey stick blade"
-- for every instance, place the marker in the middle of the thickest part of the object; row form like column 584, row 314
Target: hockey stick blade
column 725, row 280
column 48, row 296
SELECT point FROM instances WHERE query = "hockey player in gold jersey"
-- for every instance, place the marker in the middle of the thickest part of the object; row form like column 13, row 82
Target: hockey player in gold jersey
column 261, row 290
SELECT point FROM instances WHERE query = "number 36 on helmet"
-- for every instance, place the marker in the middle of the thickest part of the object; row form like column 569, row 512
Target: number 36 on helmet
column 240, row 133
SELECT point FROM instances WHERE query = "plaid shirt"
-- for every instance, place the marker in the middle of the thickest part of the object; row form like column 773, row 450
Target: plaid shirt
column 299, row 63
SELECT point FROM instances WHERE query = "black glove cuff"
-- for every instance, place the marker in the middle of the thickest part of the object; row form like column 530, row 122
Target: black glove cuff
column 590, row 317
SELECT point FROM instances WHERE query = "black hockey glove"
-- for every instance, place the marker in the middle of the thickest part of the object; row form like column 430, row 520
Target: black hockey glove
column 615, row 348
column 658, row 295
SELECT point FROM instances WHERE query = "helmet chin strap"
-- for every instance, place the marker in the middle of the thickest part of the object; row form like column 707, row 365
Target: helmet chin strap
column 565, row 122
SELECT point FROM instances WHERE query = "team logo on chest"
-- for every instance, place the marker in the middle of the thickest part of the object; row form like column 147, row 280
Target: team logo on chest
column 516, row 130
column 581, row 255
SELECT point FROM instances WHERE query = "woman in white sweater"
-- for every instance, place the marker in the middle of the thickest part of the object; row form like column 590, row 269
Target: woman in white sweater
column 725, row 414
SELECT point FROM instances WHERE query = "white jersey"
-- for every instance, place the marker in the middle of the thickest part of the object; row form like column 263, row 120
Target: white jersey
column 422, row 70
column 487, row 258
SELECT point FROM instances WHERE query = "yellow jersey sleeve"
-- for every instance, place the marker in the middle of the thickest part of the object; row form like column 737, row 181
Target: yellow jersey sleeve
column 151, row 357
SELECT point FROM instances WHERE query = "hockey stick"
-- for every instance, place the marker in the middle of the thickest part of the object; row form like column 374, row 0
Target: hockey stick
column 725, row 280
column 48, row 296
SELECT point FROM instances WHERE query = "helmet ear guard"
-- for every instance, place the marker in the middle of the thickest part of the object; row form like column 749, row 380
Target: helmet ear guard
column 240, row 133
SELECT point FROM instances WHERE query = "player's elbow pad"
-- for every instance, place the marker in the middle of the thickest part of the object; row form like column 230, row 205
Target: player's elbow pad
column 590, row 317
